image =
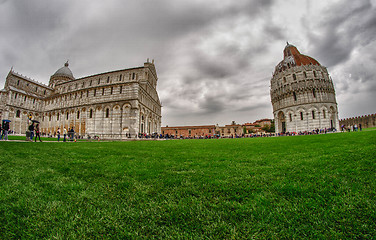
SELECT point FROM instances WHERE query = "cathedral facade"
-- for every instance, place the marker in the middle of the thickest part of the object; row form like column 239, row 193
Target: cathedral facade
column 302, row 94
column 112, row 105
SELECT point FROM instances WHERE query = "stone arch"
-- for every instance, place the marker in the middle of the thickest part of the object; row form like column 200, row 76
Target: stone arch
column 127, row 105
column 116, row 107
column 289, row 115
column 281, row 122
column 332, row 117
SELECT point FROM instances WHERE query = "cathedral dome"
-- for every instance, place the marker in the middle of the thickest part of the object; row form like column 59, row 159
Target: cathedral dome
column 64, row 72
column 292, row 57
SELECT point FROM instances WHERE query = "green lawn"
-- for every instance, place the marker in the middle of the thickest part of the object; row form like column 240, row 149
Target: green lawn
column 321, row 187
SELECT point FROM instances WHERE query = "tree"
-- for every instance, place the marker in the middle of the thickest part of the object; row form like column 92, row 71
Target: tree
column 269, row 128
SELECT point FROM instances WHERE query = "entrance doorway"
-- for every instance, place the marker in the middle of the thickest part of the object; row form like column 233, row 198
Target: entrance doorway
column 281, row 122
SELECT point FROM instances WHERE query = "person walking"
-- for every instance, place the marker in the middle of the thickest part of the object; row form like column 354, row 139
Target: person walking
column 65, row 134
column 58, row 134
column 37, row 133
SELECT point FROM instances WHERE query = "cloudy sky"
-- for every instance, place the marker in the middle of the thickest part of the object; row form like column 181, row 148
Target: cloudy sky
column 214, row 58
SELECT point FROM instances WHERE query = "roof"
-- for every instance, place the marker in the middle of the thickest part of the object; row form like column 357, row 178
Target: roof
column 292, row 57
column 64, row 71
column 29, row 79
column 23, row 92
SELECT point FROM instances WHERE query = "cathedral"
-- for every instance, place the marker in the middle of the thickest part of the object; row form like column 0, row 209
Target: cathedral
column 302, row 94
column 113, row 105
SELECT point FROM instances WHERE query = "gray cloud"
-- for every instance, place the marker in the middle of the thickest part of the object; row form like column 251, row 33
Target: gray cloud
column 340, row 34
column 214, row 58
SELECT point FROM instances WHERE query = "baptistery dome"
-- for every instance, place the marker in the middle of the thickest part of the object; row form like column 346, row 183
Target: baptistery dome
column 302, row 94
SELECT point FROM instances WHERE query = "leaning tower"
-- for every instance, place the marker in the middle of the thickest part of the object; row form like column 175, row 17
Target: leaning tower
column 302, row 94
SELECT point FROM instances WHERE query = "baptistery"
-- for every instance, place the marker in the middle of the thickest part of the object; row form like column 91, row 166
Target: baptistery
column 302, row 94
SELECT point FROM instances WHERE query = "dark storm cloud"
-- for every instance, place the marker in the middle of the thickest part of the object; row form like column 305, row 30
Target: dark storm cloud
column 214, row 58
column 340, row 34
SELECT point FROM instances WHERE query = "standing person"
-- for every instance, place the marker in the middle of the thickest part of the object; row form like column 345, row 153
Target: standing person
column 360, row 127
column 1, row 132
column 58, row 134
column 37, row 133
column 31, row 129
column 65, row 134
column 5, row 128
column 72, row 134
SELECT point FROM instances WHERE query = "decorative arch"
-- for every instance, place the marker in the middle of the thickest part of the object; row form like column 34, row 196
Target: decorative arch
column 281, row 122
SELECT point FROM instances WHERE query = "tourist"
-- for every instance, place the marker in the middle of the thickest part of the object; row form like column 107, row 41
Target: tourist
column 65, row 134
column 360, row 127
column 37, row 133
column 31, row 129
column 5, row 129
column 71, row 134
column 58, row 134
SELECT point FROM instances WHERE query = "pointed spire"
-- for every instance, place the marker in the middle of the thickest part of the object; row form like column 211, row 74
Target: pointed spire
column 66, row 63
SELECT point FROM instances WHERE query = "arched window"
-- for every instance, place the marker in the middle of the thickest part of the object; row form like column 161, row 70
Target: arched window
column 305, row 74
column 78, row 114
column 313, row 114
column 323, row 113
column 314, row 93
column 284, row 79
column 107, row 113
column 18, row 113
column 121, row 89
column 290, row 117
column 301, row 115
column 294, row 76
column 58, row 116
column 67, row 115
column 108, row 79
column 91, row 113
column 295, row 98
column 314, row 73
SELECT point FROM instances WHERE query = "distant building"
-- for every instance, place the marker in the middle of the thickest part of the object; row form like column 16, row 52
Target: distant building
column 302, row 94
column 114, row 105
column 230, row 130
column 189, row 131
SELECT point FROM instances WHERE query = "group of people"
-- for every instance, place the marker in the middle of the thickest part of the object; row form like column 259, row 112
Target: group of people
column 34, row 130
column 66, row 134
column 353, row 128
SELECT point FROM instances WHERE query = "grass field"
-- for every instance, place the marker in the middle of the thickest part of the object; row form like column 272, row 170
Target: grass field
column 320, row 187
